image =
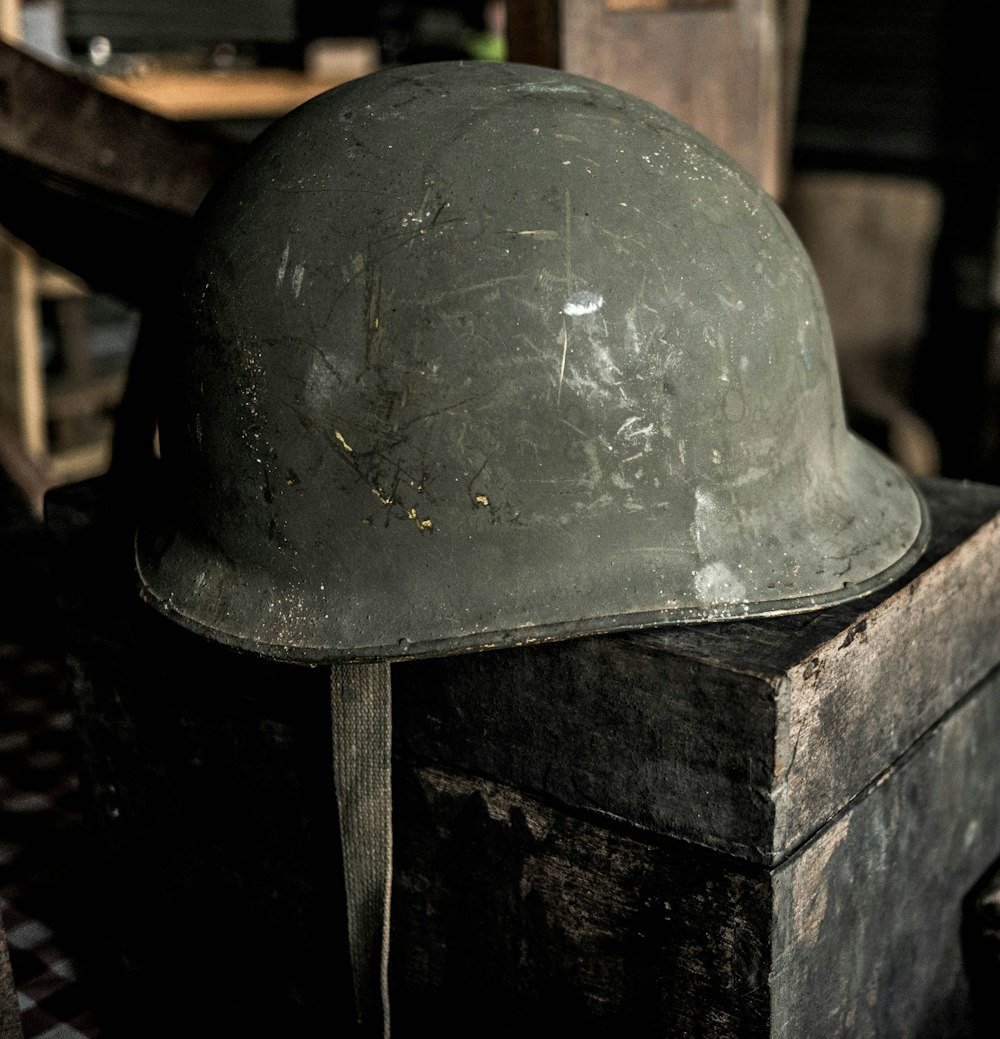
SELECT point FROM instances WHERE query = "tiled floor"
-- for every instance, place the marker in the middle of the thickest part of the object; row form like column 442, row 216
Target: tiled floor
column 43, row 897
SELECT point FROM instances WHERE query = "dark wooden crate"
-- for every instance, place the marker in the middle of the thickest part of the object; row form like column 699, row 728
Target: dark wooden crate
column 757, row 828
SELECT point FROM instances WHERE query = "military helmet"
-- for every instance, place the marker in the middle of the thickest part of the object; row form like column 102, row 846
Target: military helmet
column 475, row 354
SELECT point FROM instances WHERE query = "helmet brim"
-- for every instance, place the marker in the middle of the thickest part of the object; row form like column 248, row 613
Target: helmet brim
column 875, row 515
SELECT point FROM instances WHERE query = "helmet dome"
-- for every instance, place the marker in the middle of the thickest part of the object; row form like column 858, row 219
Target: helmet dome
column 470, row 354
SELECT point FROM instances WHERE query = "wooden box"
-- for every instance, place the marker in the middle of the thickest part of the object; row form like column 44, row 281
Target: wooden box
column 756, row 828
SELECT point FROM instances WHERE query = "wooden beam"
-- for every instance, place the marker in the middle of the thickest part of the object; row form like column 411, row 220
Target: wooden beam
column 98, row 185
column 727, row 67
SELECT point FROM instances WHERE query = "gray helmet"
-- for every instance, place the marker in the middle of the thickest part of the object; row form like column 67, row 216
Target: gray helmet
column 475, row 354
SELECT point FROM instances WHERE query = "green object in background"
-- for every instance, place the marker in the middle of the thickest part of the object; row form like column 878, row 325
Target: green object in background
column 488, row 46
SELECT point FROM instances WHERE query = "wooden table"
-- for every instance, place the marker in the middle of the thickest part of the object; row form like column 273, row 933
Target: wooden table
column 238, row 94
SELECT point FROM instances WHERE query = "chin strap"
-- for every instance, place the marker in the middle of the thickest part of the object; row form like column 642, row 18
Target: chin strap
column 361, row 701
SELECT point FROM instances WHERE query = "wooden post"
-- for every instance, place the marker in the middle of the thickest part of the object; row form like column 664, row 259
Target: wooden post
column 12, row 279
column 727, row 67
column 22, row 388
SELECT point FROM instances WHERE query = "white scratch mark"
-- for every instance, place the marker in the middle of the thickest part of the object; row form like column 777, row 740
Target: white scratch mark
column 707, row 517
column 732, row 304
column 297, row 276
column 628, row 430
column 804, row 348
column 569, row 285
column 549, row 88
column 283, row 266
column 562, row 364
column 576, row 429
column 581, row 303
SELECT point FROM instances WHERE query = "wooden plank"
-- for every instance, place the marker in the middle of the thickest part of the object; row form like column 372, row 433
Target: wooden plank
column 512, row 915
column 102, row 187
column 868, row 914
column 62, row 123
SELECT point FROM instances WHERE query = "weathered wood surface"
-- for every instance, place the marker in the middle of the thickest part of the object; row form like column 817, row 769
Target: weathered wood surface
column 745, row 736
column 511, row 914
column 868, row 914
column 507, row 902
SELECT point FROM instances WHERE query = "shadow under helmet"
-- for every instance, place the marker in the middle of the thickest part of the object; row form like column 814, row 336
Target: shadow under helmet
column 472, row 354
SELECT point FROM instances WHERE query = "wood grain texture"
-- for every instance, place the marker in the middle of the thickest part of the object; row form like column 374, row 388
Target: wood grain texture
column 556, row 918
column 868, row 914
column 611, row 725
column 511, row 914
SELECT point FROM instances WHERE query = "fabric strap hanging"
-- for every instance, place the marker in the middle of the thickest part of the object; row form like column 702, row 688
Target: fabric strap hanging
column 361, row 703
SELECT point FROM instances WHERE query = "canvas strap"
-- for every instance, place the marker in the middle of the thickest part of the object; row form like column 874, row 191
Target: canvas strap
column 361, row 703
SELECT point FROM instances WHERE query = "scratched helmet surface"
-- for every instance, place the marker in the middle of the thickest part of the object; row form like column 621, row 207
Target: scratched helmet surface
column 472, row 354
